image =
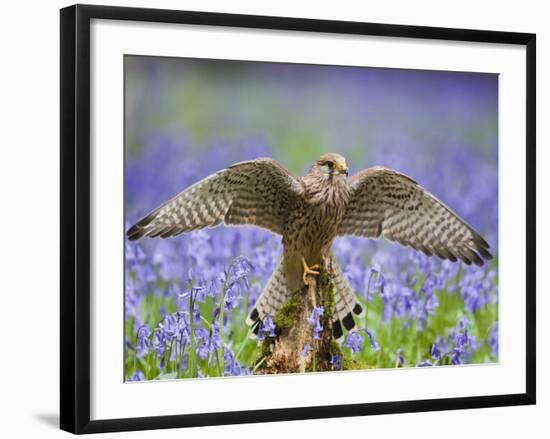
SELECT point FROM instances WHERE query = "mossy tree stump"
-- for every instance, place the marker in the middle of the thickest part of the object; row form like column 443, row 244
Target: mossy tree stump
column 287, row 352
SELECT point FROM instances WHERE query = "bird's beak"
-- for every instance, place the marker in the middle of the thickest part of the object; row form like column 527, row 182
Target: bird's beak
column 342, row 168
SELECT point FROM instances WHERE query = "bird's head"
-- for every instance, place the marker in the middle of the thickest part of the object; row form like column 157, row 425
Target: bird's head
column 331, row 166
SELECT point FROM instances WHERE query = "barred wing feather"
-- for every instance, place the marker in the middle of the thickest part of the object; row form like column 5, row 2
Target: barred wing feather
column 257, row 192
column 388, row 203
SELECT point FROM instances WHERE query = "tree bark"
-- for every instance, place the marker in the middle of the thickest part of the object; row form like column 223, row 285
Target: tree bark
column 288, row 353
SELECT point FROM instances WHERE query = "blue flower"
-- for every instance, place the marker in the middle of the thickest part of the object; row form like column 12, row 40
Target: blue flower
column 438, row 349
column 336, row 361
column 137, row 376
column 313, row 320
column 143, row 340
column 354, row 341
column 492, row 339
column 463, row 342
column 168, row 326
column 203, row 345
column 373, row 342
column 266, row 326
column 158, row 342
column 269, row 326
column 231, row 366
column 400, row 358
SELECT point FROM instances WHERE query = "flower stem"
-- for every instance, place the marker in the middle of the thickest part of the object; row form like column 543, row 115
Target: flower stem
column 192, row 350
column 221, row 317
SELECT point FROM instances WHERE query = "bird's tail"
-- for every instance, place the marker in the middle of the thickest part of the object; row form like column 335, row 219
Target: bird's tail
column 276, row 293
column 345, row 303
column 273, row 297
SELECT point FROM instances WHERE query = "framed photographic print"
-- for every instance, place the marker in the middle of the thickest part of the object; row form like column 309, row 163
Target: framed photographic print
column 285, row 218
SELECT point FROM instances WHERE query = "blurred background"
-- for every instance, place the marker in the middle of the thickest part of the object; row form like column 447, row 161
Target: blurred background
column 187, row 118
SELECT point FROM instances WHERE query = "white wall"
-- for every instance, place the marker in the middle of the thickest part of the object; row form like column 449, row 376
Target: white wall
column 30, row 204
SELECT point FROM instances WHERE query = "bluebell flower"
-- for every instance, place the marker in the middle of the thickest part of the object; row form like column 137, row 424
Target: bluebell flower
column 215, row 341
column 231, row 298
column 439, row 349
column 137, row 376
column 435, row 352
column 231, row 366
column 269, row 326
column 492, row 339
column 158, row 342
column 162, row 311
column 354, row 341
column 133, row 300
column 261, row 332
column 400, row 358
column 203, row 346
column 476, row 288
column 143, row 340
column 169, row 326
column 373, row 342
column 424, row 363
column 336, row 361
column 314, row 321
column 463, row 342
column 456, row 356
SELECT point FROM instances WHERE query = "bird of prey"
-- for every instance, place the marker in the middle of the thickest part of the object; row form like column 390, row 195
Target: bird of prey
column 309, row 213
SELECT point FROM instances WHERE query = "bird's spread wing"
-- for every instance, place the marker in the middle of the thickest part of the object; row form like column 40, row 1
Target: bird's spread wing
column 257, row 192
column 385, row 202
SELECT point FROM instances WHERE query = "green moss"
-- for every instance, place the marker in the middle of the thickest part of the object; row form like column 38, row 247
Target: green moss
column 354, row 364
column 335, row 348
column 286, row 316
column 265, row 348
column 284, row 319
column 328, row 300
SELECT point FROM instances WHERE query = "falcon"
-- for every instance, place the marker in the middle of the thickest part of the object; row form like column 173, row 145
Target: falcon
column 309, row 212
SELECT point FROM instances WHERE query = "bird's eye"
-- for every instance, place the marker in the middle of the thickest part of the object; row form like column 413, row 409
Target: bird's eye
column 329, row 164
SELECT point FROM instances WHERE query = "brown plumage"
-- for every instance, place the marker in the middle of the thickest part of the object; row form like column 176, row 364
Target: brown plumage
column 309, row 212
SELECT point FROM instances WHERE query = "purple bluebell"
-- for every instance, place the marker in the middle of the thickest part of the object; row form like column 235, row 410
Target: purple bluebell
column 158, row 342
column 372, row 340
column 232, row 367
column 354, row 341
column 400, row 358
column 143, row 334
column 336, row 361
column 492, row 339
column 314, row 321
column 424, row 363
column 439, row 349
column 137, row 376
column 269, row 326
column 462, row 342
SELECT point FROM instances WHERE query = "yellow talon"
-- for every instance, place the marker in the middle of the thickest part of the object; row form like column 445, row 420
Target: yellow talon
column 309, row 270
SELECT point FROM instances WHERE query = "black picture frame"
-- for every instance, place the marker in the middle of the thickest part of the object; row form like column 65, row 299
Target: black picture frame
column 75, row 216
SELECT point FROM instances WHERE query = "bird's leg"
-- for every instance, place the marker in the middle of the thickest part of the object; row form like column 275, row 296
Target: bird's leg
column 309, row 270
column 332, row 268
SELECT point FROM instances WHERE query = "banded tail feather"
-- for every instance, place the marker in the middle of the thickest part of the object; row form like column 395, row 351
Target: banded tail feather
column 276, row 293
column 345, row 303
column 273, row 297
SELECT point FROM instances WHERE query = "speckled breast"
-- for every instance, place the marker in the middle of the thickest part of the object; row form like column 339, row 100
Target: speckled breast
column 311, row 230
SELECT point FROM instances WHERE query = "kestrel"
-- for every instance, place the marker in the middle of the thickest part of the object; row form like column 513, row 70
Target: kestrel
column 309, row 213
